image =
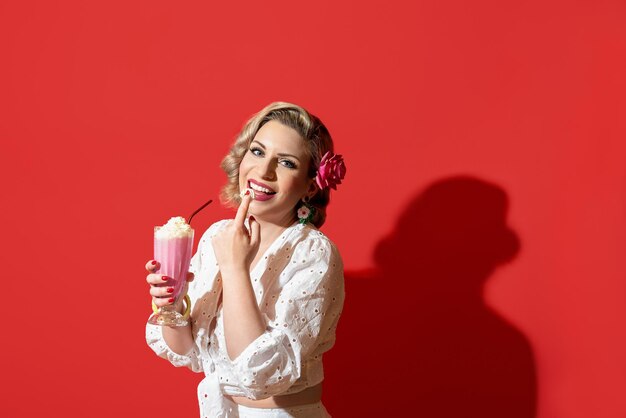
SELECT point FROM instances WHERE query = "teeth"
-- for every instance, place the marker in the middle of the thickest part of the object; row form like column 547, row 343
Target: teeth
column 259, row 188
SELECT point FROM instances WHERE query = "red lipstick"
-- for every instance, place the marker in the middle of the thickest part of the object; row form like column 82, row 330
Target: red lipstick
column 261, row 196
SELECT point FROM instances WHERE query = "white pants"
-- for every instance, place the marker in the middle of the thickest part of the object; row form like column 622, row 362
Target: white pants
column 313, row 410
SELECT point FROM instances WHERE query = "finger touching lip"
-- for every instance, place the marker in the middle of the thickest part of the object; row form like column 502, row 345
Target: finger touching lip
column 248, row 192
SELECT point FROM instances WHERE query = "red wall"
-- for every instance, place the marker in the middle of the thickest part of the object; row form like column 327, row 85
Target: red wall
column 481, row 220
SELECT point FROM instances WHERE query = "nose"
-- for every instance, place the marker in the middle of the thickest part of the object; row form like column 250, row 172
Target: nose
column 267, row 169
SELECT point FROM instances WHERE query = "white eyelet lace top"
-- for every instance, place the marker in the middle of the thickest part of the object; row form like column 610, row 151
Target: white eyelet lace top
column 299, row 288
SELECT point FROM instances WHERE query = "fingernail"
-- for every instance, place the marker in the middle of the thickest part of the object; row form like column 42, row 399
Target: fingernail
column 247, row 192
column 171, row 300
column 170, row 290
column 165, row 278
column 153, row 262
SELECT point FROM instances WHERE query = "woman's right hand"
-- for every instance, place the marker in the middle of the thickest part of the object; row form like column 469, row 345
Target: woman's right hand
column 162, row 287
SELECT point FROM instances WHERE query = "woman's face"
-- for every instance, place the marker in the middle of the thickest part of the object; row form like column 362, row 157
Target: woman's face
column 276, row 166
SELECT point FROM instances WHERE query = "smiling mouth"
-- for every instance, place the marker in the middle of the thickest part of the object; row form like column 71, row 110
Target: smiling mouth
column 259, row 189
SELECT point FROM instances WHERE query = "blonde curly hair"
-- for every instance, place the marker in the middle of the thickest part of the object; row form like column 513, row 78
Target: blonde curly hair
column 310, row 128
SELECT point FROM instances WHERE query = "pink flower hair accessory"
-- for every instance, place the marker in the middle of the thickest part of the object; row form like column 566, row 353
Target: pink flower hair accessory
column 332, row 170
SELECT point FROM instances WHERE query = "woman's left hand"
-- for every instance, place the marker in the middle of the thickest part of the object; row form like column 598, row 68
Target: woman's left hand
column 234, row 246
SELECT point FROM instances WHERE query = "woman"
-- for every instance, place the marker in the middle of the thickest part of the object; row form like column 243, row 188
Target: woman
column 268, row 288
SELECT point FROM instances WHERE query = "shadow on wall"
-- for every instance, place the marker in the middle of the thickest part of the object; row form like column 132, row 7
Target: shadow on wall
column 416, row 338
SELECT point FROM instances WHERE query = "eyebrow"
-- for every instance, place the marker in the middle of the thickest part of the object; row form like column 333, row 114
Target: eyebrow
column 279, row 154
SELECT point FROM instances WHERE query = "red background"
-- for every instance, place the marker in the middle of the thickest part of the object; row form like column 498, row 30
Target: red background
column 481, row 221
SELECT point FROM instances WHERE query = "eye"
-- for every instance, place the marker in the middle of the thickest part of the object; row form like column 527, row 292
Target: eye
column 258, row 152
column 254, row 151
column 288, row 164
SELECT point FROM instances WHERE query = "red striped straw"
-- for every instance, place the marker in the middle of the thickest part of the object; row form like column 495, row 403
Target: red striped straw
column 198, row 210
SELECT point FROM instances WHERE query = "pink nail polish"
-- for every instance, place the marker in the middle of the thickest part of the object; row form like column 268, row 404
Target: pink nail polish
column 165, row 278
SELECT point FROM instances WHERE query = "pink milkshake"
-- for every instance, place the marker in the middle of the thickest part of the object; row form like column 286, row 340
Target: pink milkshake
column 173, row 244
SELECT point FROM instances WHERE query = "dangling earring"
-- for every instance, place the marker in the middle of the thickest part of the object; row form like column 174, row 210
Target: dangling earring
column 305, row 211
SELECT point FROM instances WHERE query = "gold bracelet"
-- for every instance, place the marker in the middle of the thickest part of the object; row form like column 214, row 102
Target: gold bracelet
column 187, row 301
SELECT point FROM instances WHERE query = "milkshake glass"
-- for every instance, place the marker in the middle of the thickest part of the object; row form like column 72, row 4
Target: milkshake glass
column 173, row 244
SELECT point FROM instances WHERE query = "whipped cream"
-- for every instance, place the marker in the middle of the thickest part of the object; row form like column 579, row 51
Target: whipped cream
column 176, row 227
column 252, row 194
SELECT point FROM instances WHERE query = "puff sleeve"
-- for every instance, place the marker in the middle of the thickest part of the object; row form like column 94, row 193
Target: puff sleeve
column 306, row 314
